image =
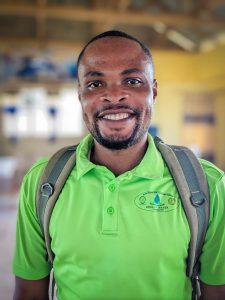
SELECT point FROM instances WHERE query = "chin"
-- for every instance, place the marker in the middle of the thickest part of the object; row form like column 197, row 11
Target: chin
column 115, row 145
column 117, row 142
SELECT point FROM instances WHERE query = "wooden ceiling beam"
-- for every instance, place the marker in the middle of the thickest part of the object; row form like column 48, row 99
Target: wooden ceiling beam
column 30, row 45
column 98, row 27
column 214, row 3
column 69, row 48
column 41, row 20
column 123, row 5
column 75, row 13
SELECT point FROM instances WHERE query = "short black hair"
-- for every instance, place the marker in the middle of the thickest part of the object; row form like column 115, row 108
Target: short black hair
column 115, row 33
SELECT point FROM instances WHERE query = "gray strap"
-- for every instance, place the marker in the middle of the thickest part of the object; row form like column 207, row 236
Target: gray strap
column 198, row 193
column 51, row 184
column 52, row 181
column 192, row 186
column 53, row 286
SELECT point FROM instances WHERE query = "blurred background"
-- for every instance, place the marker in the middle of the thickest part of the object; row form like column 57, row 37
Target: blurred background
column 39, row 110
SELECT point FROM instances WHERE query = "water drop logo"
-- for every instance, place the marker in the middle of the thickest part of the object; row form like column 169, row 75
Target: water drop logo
column 157, row 200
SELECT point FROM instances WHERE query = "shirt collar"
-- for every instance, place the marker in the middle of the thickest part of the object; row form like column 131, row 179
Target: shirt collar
column 83, row 163
column 151, row 166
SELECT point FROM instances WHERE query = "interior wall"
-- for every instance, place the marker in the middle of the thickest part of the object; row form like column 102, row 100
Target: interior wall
column 220, row 132
column 181, row 74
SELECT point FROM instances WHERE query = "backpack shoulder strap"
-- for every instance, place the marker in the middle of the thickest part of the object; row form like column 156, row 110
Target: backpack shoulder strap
column 50, row 185
column 192, row 187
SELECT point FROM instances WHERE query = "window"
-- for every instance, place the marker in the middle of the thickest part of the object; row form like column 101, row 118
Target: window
column 32, row 113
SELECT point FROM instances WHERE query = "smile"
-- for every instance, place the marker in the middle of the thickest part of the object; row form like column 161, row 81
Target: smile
column 115, row 117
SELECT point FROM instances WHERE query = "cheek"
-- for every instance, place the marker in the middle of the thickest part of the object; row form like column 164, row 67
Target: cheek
column 88, row 107
column 88, row 99
column 147, row 109
column 144, row 95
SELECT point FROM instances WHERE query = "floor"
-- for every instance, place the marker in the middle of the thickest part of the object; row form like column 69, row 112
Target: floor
column 8, row 209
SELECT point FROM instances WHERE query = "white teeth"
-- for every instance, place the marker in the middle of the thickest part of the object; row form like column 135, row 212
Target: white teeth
column 116, row 116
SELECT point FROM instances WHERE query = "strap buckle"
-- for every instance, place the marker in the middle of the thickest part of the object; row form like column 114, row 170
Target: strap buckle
column 198, row 198
column 47, row 189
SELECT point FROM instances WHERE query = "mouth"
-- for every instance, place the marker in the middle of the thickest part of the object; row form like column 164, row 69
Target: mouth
column 116, row 123
column 116, row 115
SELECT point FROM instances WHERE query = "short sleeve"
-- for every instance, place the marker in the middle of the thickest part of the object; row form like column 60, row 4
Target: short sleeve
column 213, row 255
column 30, row 253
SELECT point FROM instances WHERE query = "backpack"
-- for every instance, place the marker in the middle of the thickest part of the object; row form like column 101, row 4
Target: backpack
column 188, row 176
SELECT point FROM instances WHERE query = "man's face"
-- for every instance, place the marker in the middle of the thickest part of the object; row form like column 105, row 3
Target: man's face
column 117, row 92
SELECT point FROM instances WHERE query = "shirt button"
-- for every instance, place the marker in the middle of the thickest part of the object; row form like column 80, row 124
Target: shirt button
column 112, row 187
column 110, row 210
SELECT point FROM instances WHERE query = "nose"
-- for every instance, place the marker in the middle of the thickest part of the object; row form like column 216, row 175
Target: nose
column 114, row 94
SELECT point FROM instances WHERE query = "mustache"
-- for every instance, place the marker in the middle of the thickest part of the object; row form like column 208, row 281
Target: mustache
column 115, row 107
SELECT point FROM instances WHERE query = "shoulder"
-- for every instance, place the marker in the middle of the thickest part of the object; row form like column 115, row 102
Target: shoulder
column 36, row 170
column 213, row 173
column 31, row 181
column 216, row 183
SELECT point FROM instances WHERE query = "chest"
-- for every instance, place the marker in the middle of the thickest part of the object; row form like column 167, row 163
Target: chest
column 113, row 218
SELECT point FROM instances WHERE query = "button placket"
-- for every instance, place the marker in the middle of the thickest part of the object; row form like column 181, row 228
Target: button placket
column 112, row 187
column 110, row 211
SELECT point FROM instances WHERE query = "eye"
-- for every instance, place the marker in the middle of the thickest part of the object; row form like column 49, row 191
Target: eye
column 133, row 81
column 94, row 84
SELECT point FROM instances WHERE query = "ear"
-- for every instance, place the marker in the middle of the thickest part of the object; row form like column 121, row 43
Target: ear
column 79, row 91
column 155, row 89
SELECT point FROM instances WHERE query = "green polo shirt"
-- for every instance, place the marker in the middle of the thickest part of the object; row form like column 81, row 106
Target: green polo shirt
column 122, row 237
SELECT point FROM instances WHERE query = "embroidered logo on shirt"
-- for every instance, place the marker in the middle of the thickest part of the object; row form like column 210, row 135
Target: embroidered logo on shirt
column 157, row 202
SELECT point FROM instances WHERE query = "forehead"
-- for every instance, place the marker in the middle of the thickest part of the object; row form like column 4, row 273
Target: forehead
column 113, row 52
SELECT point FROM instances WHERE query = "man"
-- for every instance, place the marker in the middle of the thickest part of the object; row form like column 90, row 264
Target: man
column 105, row 245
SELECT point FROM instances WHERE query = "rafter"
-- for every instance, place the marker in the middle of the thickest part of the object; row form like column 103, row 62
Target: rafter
column 41, row 20
column 98, row 27
column 123, row 5
column 67, row 47
column 76, row 13
column 28, row 44
column 214, row 3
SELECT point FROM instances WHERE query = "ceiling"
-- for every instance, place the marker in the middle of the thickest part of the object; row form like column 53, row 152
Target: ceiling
column 185, row 25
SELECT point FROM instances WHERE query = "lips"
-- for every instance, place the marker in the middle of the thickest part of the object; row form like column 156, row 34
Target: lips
column 115, row 115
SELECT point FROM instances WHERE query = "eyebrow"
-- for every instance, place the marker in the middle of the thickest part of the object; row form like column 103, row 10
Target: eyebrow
column 93, row 74
column 125, row 72
column 131, row 71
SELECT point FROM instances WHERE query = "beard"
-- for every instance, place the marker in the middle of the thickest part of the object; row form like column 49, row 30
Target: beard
column 114, row 141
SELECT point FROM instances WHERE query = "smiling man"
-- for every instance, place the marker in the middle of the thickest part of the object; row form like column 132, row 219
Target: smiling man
column 107, row 244
column 117, row 91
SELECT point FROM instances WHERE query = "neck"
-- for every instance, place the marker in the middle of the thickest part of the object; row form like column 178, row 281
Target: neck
column 119, row 161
